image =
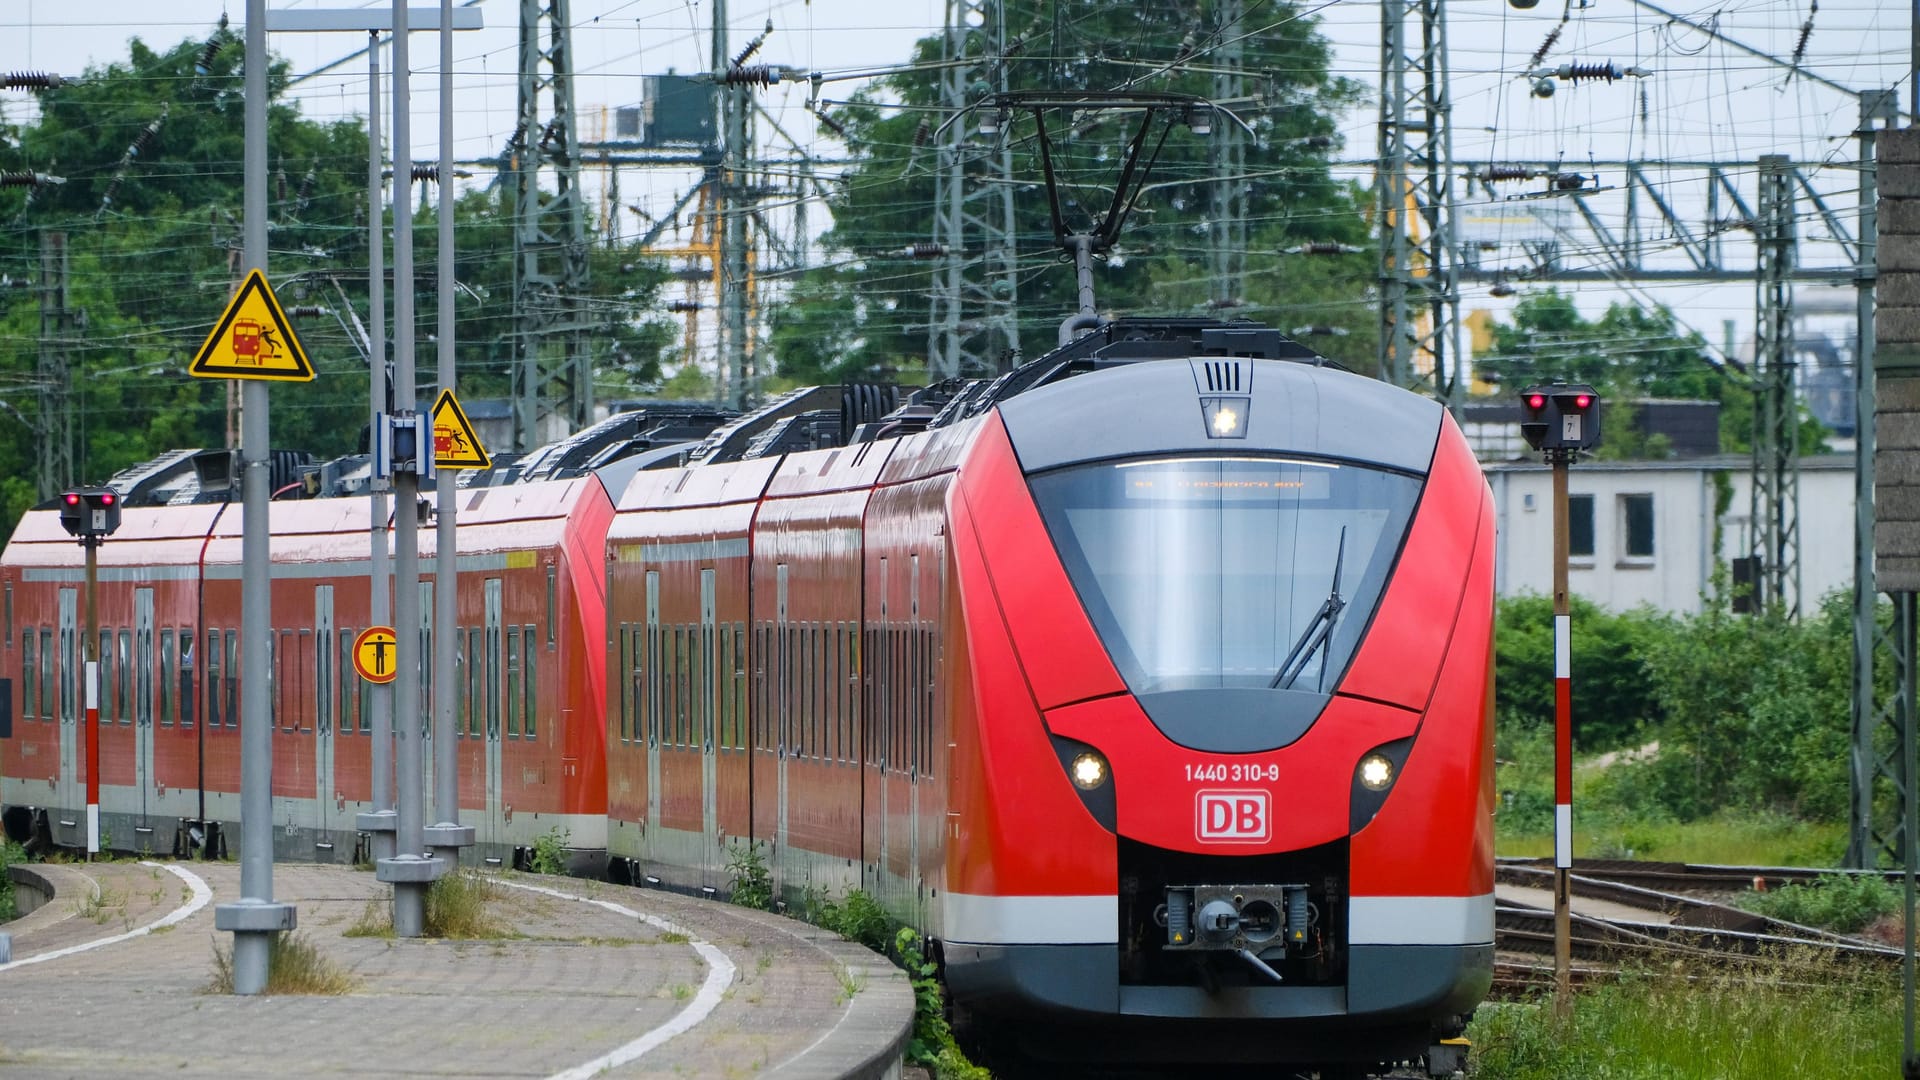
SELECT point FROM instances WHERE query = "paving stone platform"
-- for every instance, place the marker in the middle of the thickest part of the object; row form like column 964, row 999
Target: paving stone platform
column 598, row 980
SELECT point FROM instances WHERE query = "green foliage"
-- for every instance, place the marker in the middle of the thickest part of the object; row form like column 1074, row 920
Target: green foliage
column 459, row 905
column 152, row 258
column 864, row 316
column 1800, row 1016
column 752, row 882
column 294, row 966
column 10, row 853
column 1844, row 903
column 1614, row 701
column 1629, row 352
column 859, row 918
column 550, row 851
column 932, row 1042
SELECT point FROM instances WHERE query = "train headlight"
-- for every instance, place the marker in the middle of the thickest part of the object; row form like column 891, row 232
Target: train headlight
column 1376, row 772
column 1089, row 771
column 1225, row 421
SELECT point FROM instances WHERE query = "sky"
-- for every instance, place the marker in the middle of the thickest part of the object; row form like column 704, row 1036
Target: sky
column 1702, row 99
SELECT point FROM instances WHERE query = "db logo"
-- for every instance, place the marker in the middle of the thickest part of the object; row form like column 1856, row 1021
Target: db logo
column 1233, row 817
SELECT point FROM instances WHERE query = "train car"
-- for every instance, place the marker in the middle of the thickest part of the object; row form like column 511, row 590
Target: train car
column 529, row 668
column 1152, row 681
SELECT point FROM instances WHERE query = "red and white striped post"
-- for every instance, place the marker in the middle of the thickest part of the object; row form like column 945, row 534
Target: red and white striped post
column 1562, row 746
column 92, row 646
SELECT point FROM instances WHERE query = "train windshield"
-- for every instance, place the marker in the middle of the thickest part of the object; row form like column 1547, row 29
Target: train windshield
column 1205, row 572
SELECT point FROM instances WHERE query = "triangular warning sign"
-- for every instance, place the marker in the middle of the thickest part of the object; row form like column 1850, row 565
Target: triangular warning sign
column 253, row 339
column 455, row 446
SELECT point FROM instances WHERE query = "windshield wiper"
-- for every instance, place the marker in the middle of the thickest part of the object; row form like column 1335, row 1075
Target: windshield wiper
column 1317, row 631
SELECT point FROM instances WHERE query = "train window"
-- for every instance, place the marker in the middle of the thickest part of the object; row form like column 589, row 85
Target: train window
column 551, row 575
column 927, row 682
column 698, row 686
column 739, row 689
column 492, row 681
column 830, row 691
column 184, row 701
column 123, row 693
column 474, row 668
column 868, row 740
column 280, row 685
column 29, row 703
column 68, row 669
column 1203, row 572
column 683, row 686
column 166, row 677
column 231, row 686
column 323, row 688
column 758, row 721
column 723, row 666
column 513, row 682
column 106, row 675
column 822, row 724
column 532, row 686
column 213, row 678
column 670, row 680
column 344, row 679
column 788, row 649
column 654, row 682
column 46, row 674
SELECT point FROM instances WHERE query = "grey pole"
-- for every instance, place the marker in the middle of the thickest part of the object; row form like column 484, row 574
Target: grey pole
column 410, row 870
column 380, row 824
column 446, row 837
column 255, row 918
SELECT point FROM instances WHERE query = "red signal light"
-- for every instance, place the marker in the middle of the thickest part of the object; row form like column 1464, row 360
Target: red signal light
column 1536, row 401
column 1583, row 400
column 73, row 498
column 106, row 498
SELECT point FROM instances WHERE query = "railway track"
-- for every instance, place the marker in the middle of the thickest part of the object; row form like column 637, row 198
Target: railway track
column 1620, row 918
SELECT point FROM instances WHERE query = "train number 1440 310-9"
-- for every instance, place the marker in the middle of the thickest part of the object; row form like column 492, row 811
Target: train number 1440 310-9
column 1235, row 772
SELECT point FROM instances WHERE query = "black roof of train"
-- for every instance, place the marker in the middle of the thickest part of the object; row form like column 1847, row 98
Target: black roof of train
column 659, row 434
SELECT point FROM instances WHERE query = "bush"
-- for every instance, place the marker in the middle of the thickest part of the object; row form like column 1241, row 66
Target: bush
column 1613, row 696
column 550, row 852
column 1843, row 903
column 857, row 918
column 752, row 883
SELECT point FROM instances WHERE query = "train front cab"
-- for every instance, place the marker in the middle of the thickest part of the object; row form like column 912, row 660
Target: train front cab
column 1179, row 816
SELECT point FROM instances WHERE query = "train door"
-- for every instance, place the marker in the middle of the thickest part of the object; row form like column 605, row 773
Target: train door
column 143, row 773
column 705, row 701
column 782, row 700
column 324, row 685
column 72, row 704
column 657, row 703
column 425, row 714
column 495, row 795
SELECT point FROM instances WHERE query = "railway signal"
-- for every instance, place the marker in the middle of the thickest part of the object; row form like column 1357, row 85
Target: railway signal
column 1561, row 420
column 92, row 514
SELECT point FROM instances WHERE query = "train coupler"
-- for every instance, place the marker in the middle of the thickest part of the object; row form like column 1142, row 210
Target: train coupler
column 1448, row 1057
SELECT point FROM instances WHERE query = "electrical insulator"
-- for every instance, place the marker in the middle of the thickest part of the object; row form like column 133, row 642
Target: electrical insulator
column 1572, row 181
column 31, row 80
column 426, row 174
column 684, row 306
column 924, row 249
column 1606, row 71
column 28, row 179
column 753, row 46
column 1497, row 173
column 750, row 75
column 832, row 125
column 1553, row 38
column 921, row 133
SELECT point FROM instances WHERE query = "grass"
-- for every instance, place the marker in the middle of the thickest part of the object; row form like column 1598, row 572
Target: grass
column 294, row 966
column 1732, row 839
column 459, row 907
column 1798, row 1016
column 1844, row 903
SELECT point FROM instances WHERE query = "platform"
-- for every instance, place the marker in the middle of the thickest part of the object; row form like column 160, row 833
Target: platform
column 110, row 979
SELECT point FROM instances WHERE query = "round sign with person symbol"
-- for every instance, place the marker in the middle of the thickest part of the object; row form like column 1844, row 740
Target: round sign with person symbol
column 375, row 654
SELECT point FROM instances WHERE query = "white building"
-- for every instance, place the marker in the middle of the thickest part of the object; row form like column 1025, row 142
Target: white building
column 1647, row 532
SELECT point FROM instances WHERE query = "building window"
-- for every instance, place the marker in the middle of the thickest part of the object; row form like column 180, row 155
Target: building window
column 1636, row 517
column 1580, row 526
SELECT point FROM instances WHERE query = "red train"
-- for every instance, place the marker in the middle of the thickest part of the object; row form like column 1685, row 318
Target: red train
column 1151, row 680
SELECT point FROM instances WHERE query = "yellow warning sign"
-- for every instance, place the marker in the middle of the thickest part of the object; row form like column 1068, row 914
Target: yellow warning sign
column 376, row 654
column 252, row 339
column 455, row 446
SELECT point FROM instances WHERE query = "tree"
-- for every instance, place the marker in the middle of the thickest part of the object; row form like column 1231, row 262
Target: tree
column 1629, row 353
column 873, row 307
column 154, row 240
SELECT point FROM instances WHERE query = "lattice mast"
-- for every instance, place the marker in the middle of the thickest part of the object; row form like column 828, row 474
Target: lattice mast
column 1413, row 201
column 1775, row 498
column 550, row 237
column 973, row 328
column 1227, row 217
column 55, row 429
